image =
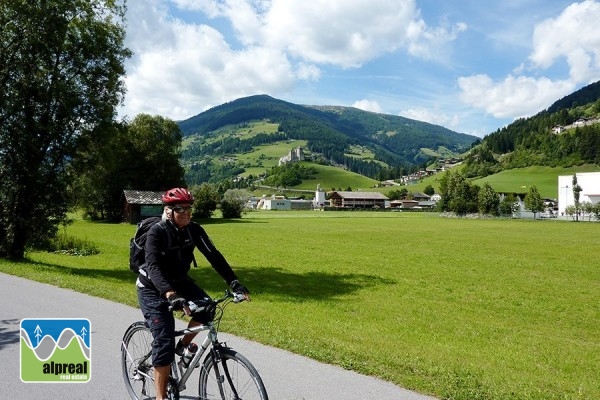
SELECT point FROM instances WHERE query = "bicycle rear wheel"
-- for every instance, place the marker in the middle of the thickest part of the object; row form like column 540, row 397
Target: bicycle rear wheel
column 136, row 362
column 238, row 377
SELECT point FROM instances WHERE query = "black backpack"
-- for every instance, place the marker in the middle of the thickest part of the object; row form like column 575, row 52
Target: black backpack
column 137, row 244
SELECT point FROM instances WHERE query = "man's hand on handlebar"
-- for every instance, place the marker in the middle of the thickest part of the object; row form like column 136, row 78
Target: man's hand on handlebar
column 176, row 302
column 238, row 288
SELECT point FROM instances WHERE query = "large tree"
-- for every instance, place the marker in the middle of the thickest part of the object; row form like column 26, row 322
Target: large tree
column 61, row 64
column 142, row 154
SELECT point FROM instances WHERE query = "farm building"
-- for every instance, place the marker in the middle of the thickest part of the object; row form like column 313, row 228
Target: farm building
column 357, row 199
column 590, row 190
column 274, row 203
column 140, row 204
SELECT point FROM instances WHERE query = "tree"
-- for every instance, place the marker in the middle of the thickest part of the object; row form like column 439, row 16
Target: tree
column 206, row 199
column 533, row 200
column 100, row 172
column 153, row 153
column 61, row 64
column 458, row 195
column 508, row 205
column 429, row 190
column 576, row 193
column 233, row 203
column 587, row 210
column 142, row 155
column 488, row 200
column 596, row 211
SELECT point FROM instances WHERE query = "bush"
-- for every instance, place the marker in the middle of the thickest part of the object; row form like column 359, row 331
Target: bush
column 233, row 203
column 66, row 244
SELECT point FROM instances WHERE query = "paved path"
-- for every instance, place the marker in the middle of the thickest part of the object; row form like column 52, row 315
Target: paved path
column 287, row 376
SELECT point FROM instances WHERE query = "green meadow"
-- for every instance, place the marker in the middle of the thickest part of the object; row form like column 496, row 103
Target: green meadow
column 455, row 308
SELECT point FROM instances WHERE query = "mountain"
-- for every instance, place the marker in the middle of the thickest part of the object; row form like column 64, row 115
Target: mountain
column 566, row 134
column 339, row 135
column 585, row 95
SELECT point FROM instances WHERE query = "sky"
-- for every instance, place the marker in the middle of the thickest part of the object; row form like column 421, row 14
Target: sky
column 471, row 66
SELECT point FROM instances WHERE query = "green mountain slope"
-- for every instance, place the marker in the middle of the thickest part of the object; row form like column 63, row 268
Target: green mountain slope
column 566, row 134
column 217, row 139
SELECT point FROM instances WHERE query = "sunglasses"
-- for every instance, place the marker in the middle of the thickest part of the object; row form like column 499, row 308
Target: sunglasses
column 180, row 210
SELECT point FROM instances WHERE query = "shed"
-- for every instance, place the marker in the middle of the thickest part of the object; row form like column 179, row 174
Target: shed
column 357, row 199
column 141, row 204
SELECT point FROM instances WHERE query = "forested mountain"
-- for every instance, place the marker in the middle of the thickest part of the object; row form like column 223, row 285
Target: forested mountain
column 565, row 134
column 330, row 132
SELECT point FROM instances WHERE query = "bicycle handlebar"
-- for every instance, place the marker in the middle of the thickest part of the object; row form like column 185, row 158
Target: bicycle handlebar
column 194, row 306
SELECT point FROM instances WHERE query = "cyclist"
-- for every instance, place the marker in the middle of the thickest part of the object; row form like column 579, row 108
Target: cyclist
column 163, row 281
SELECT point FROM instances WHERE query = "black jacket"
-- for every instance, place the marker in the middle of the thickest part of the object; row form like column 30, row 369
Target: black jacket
column 165, row 268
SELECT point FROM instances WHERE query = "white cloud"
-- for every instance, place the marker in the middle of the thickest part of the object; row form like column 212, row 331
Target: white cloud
column 514, row 96
column 433, row 117
column 573, row 37
column 337, row 32
column 368, row 105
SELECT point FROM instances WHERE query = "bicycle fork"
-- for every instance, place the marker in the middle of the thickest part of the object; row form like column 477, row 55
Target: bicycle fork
column 220, row 377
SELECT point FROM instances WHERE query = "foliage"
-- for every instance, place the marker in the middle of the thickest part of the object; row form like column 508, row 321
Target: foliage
column 233, row 203
column 576, row 195
column 398, row 194
column 458, row 194
column 489, row 200
column 508, row 206
column 72, row 245
column 61, row 64
column 206, row 199
column 429, row 190
column 142, row 155
column 533, row 201
column 290, row 174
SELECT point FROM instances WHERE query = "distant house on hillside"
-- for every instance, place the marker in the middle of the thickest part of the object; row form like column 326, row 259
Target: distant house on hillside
column 141, row 204
column 357, row 199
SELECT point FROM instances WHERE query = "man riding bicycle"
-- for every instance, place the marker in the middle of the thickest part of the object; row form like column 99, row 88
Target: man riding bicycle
column 163, row 283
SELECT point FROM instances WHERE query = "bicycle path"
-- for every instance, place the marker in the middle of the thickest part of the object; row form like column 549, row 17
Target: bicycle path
column 286, row 376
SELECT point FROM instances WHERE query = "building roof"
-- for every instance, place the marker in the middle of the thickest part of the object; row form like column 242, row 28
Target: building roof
column 361, row 195
column 142, row 197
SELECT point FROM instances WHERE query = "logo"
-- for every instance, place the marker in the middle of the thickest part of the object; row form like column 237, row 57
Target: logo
column 56, row 350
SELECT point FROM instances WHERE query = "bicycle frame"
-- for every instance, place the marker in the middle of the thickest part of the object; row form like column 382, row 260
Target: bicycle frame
column 209, row 339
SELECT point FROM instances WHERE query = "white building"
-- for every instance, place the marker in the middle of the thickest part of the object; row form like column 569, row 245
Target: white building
column 320, row 198
column 274, row 203
column 590, row 190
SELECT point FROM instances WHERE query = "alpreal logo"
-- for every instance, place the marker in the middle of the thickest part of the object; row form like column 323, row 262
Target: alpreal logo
column 56, row 350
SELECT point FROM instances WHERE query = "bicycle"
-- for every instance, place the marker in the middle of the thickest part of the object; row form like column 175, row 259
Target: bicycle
column 224, row 373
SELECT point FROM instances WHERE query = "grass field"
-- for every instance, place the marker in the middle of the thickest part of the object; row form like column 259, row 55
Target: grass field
column 457, row 308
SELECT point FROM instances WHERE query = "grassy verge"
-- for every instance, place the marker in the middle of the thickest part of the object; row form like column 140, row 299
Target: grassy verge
column 461, row 309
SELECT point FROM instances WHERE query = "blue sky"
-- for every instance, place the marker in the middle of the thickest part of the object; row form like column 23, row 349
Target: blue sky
column 472, row 66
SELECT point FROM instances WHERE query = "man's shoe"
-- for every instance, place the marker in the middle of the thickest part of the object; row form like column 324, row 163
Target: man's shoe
column 179, row 348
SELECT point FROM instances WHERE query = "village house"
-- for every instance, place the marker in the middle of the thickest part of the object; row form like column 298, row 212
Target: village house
column 346, row 199
column 141, row 204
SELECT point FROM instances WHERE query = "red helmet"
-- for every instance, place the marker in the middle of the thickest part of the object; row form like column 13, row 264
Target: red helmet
column 177, row 195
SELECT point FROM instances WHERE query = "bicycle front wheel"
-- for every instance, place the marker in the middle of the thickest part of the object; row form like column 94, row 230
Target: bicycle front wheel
column 136, row 362
column 232, row 377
